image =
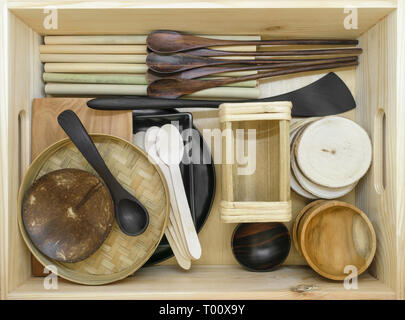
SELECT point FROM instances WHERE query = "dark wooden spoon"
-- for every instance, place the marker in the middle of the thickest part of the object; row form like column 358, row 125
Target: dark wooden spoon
column 152, row 76
column 131, row 215
column 174, row 88
column 206, row 52
column 167, row 41
column 181, row 61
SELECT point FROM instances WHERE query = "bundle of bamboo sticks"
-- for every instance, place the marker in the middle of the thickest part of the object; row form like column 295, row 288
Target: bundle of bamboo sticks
column 116, row 65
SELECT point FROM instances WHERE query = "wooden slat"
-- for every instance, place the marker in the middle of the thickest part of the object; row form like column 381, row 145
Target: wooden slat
column 377, row 90
column 286, row 19
column 210, row 282
column 400, row 207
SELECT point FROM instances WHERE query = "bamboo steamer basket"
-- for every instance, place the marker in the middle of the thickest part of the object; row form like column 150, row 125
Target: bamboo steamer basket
column 333, row 235
column 120, row 255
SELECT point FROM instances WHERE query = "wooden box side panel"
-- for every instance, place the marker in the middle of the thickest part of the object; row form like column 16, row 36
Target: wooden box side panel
column 23, row 79
column 321, row 19
column 401, row 150
column 376, row 96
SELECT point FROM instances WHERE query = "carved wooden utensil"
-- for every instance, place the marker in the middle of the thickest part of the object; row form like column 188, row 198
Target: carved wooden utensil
column 173, row 88
column 68, row 213
column 182, row 61
column 205, row 71
column 166, row 41
column 207, row 52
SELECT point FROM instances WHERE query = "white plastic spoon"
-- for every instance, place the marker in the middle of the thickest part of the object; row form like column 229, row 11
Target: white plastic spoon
column 170, row 148
column 172, row 238
column 150, row 146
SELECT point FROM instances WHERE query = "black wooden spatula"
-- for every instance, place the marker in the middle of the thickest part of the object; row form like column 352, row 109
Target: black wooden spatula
column 326, row 96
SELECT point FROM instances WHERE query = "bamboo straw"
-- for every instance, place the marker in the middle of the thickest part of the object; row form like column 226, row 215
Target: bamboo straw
column 95, row 68
column 103, row 58
column 117, row 89
column 93, row 58
column 115, row 48
column 102, row 39
column 92, row 49
column 123, row 39
column 95, row 78
column 117, row 79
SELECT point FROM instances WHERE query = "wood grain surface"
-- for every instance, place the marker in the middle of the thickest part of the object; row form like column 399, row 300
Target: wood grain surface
column 334, row 235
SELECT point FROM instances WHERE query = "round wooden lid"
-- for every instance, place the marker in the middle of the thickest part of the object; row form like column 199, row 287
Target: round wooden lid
column 68, row 213
column 333, row 152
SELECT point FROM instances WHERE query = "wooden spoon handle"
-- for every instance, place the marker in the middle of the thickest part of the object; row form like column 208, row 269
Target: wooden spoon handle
column 205, row 71
column 218, row 42
column 73, row 127
column 192, row 240
column 221, row 82
column 206, row 52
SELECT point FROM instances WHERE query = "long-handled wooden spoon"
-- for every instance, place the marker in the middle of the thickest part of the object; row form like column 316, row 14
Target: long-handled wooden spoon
column 207, row 52
column 181, row 61
column 205, row 71
column 174, row 88
column 167, row 41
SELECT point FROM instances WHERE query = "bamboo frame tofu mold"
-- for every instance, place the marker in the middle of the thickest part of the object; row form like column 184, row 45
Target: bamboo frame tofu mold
column 255, row 159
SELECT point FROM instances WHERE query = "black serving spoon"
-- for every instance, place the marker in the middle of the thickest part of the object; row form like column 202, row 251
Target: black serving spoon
column 326, row 96
column 131, row 215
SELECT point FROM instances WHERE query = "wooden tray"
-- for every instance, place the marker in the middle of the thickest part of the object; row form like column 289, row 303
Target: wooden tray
column 120, row 255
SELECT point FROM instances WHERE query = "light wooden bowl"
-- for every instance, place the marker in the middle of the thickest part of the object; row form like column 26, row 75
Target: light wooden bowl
column 334, row 235
column 120, row 255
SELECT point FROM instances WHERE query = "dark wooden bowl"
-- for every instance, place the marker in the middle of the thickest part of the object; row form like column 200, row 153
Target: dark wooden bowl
column 261, row 246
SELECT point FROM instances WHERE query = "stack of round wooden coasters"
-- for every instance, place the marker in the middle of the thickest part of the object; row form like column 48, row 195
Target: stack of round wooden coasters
column 328, row 156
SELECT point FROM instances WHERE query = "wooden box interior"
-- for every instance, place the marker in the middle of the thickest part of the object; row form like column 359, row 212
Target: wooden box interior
column 216, row 275
column 264, row 182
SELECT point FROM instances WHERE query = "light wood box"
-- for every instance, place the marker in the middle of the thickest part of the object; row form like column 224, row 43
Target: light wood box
column 378, row 85
column 255, row 162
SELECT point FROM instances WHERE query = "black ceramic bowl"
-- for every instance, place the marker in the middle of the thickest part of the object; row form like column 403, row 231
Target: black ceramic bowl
column 261, row 246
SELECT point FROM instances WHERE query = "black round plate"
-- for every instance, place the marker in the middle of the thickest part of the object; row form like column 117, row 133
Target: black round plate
column 204, row 189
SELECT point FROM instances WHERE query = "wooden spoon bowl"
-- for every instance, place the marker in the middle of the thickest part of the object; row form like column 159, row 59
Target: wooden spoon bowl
column 335, row 235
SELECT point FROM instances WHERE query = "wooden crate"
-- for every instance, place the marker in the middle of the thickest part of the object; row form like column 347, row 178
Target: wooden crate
column 258, row 189
column 378, row 85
